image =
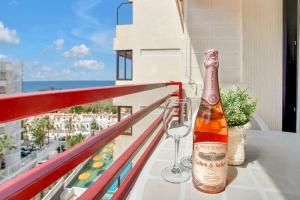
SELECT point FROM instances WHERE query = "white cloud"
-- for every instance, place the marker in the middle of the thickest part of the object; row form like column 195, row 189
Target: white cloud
column 89, row 65
column 66, row 71
column 8, row 35
column 35, row 70
column 13, row 3
column 85, row 70
column 58, row 44
column 77, row 51
column 2, row 57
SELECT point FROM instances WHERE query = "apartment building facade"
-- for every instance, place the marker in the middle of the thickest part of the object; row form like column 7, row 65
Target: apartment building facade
column 11, row 82
column 166, row 40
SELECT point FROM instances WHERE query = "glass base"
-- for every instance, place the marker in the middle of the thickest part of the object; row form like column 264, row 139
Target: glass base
column 176, row 175
column 186, row 162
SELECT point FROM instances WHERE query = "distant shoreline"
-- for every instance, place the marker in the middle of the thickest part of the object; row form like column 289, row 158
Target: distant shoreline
column 33, row 86
column 66, row 80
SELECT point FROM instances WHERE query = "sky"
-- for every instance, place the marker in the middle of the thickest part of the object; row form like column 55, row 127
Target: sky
column 60, row 39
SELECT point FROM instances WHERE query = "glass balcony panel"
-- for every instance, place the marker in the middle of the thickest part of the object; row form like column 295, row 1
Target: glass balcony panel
column 125, row 14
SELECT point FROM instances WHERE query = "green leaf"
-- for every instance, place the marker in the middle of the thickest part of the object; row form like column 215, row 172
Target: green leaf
column 238, row 106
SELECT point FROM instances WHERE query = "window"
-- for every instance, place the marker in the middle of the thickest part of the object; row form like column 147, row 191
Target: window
column 2, row 89
column 2, row 130
column 124, row 65
column 123, row 112
column 2, row 76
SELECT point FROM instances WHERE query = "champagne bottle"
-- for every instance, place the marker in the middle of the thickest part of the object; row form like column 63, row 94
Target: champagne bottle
column 209, row 168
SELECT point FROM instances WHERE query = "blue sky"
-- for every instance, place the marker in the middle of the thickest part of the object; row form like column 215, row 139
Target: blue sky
column 60, row 39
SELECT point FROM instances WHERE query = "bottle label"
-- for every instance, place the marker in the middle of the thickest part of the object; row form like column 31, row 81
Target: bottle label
column 210, row 163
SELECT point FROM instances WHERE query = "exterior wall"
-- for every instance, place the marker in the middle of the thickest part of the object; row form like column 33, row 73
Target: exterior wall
column 156, row 49
column 248, row 35
column 11, row 80
column 155, row 39
column 262, row 56
column 213, row 24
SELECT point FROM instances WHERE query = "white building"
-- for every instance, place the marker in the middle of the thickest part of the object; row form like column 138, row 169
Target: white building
column 166, row 41
column 81, row 122
column 11, row 82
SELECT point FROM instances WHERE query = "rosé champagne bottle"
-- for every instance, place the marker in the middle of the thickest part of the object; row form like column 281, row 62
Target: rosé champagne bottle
column 209, row 167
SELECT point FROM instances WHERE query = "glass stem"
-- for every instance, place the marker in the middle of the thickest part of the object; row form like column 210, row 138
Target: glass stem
column 176, row 168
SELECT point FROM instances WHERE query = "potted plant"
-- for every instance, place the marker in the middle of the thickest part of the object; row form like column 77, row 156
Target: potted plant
column 238, row 107
column 5, row 144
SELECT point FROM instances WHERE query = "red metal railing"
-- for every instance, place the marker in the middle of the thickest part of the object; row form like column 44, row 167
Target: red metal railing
column 35, row 180
column 99, row 188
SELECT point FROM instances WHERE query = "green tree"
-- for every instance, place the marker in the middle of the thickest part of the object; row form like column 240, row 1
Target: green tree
column 6, row 143
column 48, row 125
column 25, row 128
column 69, row 126
column 99, row 107
column 75, row 140
column 38, row 131
column 77, row 110
column 94, row 126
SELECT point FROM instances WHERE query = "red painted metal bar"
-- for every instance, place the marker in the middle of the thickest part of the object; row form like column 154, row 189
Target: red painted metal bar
column 35, row 180
column 180, row 89
column 100, row 187
column 14, row 107
column 132, row 176
column 180, row 92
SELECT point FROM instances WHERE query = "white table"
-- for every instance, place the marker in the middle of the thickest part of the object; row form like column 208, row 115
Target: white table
column 271, row 171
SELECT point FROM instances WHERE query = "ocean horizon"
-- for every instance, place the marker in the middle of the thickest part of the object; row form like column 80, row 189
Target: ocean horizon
column 33, row 86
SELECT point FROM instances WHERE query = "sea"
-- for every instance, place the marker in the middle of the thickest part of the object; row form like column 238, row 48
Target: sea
column 33, row 86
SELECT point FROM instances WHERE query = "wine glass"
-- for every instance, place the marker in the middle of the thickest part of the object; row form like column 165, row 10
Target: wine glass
column 177, row 122
column 186, row 161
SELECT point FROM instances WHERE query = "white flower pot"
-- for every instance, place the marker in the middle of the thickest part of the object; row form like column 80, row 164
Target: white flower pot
column 236, row 144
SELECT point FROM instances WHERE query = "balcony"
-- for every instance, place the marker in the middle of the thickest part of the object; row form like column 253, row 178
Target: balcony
column 124, row 37
column 124, row 26
column 34, row 181
column 258, row 177
column 125, row 13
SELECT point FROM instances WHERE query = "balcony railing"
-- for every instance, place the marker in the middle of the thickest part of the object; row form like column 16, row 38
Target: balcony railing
column 124, row 13
column 32, row 182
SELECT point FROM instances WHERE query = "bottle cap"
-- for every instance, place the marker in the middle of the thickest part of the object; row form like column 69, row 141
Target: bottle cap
column 211, row 58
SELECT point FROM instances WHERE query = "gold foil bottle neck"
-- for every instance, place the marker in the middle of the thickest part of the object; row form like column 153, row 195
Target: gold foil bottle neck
column 211, row 58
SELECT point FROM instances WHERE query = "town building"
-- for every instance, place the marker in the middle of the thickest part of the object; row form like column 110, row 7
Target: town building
column 166, row 40
column 10, row 83
column 80, row 122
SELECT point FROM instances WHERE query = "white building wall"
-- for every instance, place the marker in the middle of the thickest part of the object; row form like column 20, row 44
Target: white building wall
column 262, row 56
column 11, row 80
column 213, row 24
column 248, row 35
column 155, row 38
